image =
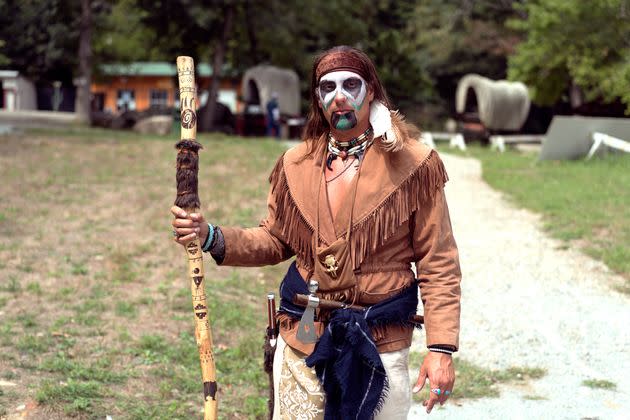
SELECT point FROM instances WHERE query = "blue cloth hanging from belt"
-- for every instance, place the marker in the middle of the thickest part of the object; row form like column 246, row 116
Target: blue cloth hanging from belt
column 345, row 358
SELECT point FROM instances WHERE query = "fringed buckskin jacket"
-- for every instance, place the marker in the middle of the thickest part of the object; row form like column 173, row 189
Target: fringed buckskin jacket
column 400, row 217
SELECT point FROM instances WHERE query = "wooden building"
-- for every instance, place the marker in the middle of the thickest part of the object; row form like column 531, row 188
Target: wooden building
column 141, row 85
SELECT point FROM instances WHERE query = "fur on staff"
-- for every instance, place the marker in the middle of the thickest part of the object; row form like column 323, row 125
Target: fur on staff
column 187, row 169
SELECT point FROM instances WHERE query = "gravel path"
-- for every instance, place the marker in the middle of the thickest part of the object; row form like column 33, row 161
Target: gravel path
column 528, row 302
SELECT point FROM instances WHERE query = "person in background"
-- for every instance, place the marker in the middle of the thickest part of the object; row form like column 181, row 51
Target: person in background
column 273, row 116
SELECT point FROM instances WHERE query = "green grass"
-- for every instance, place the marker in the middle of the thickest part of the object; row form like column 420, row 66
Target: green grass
column 79, row 269
column 126, row 309
column 175, row 362
column 64, row 293
column 34, row 288
column 473, row 381
column 98, row 370
column 13, row 285
column 116, row 285
column 27, row 320
column 9, row 375
column 99, row 291
column 582, row 202
column 33, row 344
column 6, row 334
column 600, row 384
column 75, row 397
column 124, row 271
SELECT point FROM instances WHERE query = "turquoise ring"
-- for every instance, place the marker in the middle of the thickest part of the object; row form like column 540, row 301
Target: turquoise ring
column 436, row 391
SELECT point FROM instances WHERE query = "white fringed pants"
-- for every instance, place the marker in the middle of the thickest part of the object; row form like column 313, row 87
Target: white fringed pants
column 298, row 394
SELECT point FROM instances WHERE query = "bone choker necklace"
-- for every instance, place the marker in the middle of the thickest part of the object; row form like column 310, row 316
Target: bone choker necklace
column 355, row 146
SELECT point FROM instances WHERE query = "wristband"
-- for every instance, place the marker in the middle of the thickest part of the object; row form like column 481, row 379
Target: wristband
column 438, row 350
column 442, row 348
column 207, row 245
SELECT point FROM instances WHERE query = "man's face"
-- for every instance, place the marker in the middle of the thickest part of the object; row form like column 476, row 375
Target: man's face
column 342, row 96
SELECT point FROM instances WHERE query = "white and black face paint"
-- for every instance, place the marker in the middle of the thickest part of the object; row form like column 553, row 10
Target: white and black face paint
column 350, row 85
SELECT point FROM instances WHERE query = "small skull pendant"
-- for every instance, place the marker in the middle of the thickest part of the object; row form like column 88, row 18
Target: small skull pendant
column 331, row 265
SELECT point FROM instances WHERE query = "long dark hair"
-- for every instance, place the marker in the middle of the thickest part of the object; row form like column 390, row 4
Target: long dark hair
column 316, row 123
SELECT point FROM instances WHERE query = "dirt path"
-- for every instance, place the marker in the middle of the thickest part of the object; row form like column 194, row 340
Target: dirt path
column 526, row 301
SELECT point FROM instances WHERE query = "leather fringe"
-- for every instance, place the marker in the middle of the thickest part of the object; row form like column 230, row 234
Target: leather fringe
column 291, row 225
column 374, row 229
column 377, row 227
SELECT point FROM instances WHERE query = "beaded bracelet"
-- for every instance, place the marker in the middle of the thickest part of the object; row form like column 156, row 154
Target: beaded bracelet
column 440, row 350
column 207, row 245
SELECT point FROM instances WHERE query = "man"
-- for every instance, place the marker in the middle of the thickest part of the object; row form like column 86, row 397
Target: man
column 356, row 202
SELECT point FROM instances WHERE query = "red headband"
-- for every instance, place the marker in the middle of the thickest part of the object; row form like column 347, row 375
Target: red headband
column 340, row 61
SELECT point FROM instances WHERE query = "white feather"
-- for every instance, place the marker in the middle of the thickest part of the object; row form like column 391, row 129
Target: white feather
column 380, row 118
column 390, row 137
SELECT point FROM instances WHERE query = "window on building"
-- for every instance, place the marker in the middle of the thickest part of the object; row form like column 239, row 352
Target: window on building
column 159, row 97
column 126, row 100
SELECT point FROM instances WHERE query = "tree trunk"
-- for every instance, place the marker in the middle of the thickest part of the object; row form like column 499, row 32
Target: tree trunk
column 217, row 67
column 83, row 82
column 576, row 96
column 251, row 33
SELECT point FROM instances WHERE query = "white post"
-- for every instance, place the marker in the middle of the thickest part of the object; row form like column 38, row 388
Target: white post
column 498, row 143
column 458, row 141
column 427, row 138
column 610, row 141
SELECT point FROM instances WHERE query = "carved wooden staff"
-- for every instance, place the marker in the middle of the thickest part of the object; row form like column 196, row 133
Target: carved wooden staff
column 188, row 199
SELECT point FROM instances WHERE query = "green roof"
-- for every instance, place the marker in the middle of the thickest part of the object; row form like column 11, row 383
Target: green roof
column 154, row 68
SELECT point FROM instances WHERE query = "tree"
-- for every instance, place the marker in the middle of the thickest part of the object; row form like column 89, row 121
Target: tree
column 51, row 40
column 218, row 59
column 457, row 37
column 84, row 80
column 121, row 36
column 40, row 42
column 401, row 66
column 290, row 34
column 576, row 46
column 421, row 49
column 4, row 60
column 195, row 28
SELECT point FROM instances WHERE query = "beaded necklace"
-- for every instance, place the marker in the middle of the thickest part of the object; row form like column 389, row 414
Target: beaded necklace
column 355, row 146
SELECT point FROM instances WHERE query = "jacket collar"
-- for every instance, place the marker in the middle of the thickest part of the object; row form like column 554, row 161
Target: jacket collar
column 381, row 174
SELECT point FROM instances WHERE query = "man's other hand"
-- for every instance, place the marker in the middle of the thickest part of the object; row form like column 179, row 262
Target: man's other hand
column 438, row 367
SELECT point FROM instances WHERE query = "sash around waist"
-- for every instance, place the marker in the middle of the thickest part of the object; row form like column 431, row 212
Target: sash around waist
column 375, row 283
column 346, row 349
column 396, row 308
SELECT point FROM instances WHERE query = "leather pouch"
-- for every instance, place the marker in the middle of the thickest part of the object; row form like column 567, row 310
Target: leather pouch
column 333, row 267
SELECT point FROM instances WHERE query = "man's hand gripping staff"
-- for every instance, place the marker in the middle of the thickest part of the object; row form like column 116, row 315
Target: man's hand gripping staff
column 187, row 201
